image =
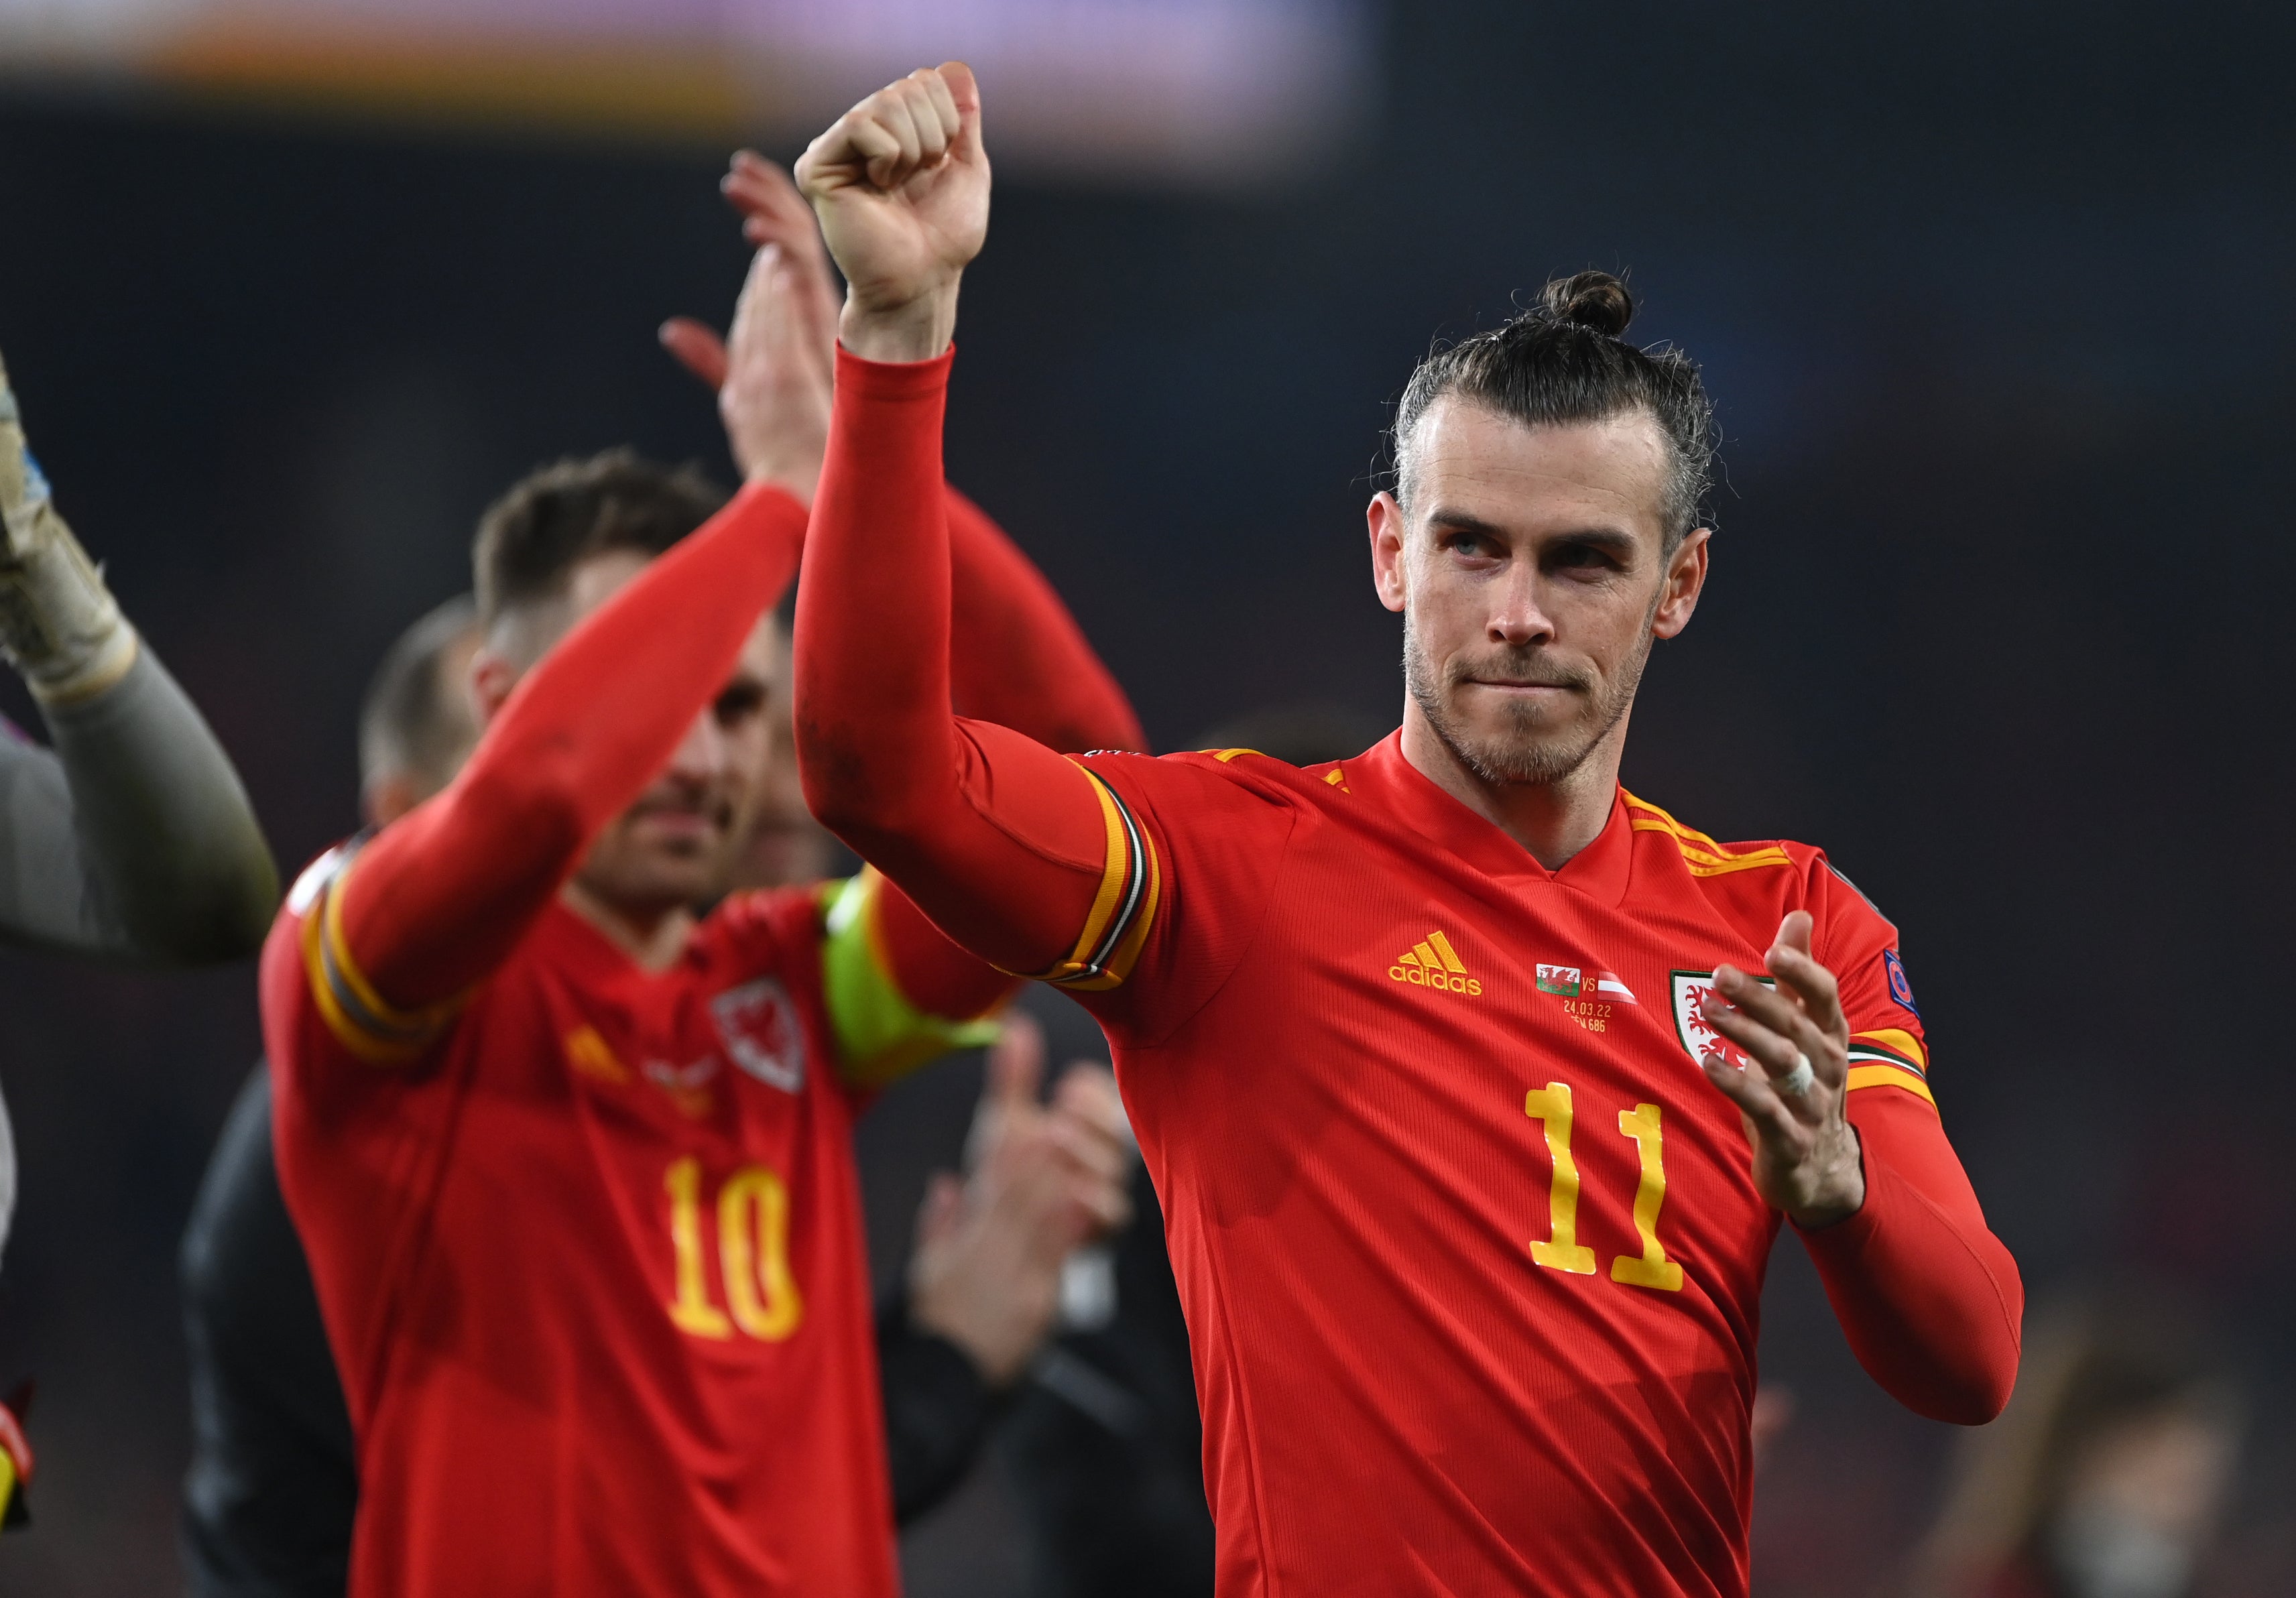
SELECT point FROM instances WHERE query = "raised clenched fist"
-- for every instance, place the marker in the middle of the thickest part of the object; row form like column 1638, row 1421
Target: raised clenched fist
column 900, row 184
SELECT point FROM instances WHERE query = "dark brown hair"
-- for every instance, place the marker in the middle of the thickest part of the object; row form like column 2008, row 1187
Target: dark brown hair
column 1563, row 362
column 557, row 516
column 414, row 721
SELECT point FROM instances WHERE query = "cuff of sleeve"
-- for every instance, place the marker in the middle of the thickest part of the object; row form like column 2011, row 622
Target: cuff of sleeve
column 1848, row 1238
column 893, row 380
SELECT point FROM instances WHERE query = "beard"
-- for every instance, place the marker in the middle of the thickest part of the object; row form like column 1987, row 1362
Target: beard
column 1521, row 752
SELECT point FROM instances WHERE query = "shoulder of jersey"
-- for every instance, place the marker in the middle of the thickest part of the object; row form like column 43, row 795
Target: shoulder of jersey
column 1248, row 765
column 1704, row 857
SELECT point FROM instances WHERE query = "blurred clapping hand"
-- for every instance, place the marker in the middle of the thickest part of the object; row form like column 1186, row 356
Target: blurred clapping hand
column 1043, row 1178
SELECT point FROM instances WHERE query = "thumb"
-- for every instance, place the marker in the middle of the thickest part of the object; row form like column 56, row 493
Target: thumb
column 1794, row 933
column 698, row 349
column 964, row 89
column 937, row 1215
column 1016, row 1065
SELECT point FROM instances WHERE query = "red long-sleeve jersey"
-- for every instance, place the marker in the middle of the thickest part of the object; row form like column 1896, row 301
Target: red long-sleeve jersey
column 587, row 1236
column 1470, row 1249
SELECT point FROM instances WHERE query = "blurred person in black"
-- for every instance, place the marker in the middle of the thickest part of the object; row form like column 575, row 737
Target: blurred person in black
column 132, row 839
column 2108, row 1475
column 272, row 1489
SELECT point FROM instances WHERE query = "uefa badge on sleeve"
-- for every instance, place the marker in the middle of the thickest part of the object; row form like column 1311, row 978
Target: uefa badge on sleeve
column 1900, row 989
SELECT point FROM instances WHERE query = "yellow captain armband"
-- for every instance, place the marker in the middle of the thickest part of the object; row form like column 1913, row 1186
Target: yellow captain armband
column 362, row 1021
column 881, row 1036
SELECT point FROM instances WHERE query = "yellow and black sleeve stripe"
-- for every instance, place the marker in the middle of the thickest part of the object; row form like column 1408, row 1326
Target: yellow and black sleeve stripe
column 1123, row 910
column 361, row 1019
column 1890, row 1058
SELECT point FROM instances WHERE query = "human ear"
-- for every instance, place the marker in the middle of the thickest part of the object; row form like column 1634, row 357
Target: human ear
column 1384, row 519
column 1686, row 579
column 492, row 677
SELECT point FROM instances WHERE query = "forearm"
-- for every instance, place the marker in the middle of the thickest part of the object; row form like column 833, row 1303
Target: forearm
column 175, row 865
column 1008, row 869
column 1929, row 1299
column 1020, row 660
column 437, row 899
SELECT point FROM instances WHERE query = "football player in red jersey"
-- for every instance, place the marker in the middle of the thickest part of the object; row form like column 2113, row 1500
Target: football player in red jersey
column 573, row 1167
column 1475, row 1089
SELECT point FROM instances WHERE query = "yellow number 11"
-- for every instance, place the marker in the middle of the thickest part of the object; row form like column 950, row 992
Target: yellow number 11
column 1562, row 1251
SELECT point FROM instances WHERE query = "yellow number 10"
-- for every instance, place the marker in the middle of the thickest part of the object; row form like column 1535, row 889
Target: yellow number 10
column 1562, row 1251
column 753, row 1254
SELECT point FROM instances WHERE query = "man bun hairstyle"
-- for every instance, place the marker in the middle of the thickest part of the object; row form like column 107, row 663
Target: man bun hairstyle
column 530, row 540
column 1564, row 362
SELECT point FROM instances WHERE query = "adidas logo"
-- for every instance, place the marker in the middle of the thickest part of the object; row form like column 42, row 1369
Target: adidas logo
column 1432, row 963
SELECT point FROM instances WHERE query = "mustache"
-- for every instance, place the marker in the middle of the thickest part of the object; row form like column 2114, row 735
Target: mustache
column 1520, row 669
column 682, row 802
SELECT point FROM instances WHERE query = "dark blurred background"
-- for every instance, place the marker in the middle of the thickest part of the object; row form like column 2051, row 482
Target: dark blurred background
column 1995, row 303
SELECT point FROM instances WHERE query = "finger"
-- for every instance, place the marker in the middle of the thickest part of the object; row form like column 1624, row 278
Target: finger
column 916, row 105
column 1016, row 1063
column 1791, row 963
column 891, row 112
column 1104, row 1205
column 1088, row 1091
column 1767, row 1004
column 938, row 107
column 876, row 146
column 964, row 94
column 937, row 1217
column 1764, row 1112
column 765, row 185
column 1088, row 1149
column 749, row 303
column 697, row 347
column 1773, row 1045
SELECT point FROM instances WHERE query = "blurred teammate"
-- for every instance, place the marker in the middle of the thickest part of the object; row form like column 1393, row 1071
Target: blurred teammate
column 982, row 1290
column 2109, row 1473
column 1473, row 1121
column 272, row 1488
column 132, row 840
column 572, row 1165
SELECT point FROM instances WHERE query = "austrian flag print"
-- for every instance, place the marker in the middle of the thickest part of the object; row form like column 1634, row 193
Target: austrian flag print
column 1694, row 991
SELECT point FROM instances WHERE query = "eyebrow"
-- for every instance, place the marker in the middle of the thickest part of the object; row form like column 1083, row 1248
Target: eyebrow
column 1614, row 539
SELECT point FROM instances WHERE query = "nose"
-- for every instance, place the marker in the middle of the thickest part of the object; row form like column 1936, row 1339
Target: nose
column 701, row 755
column 1516, row 618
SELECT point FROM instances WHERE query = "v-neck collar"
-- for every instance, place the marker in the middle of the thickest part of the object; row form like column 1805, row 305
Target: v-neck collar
column 1600, row 871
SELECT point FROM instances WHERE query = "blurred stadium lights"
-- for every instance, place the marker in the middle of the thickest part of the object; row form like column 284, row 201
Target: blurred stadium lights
column 1217, row 92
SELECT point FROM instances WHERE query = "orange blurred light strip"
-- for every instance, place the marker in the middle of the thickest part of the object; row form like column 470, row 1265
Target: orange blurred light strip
column 689, row 92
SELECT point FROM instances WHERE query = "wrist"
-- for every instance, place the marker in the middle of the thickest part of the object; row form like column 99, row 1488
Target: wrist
column 918, row 329
column 1840, row 1198
column 799, row 479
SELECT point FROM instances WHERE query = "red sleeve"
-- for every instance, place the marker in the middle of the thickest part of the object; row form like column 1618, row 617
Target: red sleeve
column 1017, row 658
column 1931, row 1299
column 1060, row 869
column 437, row 899
column 1002, row 842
